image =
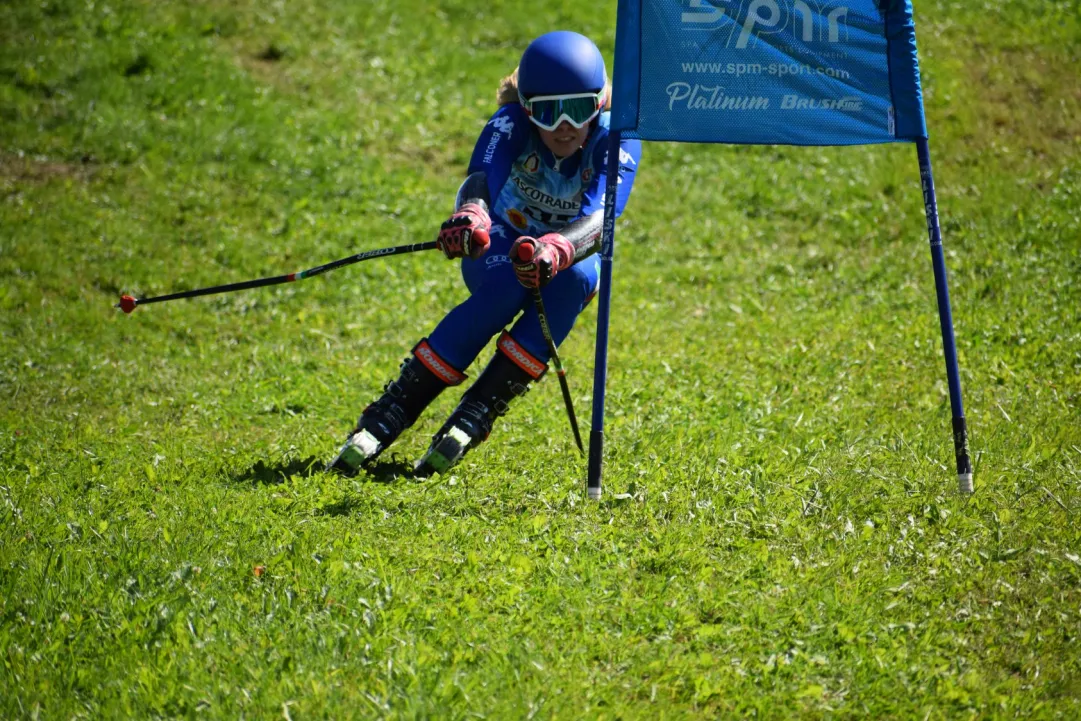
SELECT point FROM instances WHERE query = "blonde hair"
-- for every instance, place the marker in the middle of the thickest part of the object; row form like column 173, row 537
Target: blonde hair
column 508, row 91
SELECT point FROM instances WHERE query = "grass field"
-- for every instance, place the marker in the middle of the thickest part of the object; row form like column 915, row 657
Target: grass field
column 780, row 536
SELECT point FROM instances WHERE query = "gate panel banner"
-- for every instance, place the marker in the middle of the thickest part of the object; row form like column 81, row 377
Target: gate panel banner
column 796, row 72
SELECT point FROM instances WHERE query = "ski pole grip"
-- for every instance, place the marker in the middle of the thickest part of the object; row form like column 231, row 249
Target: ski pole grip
column 526, row 251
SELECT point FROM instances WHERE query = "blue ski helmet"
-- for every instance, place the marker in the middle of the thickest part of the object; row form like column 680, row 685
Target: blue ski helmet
column 561, row 63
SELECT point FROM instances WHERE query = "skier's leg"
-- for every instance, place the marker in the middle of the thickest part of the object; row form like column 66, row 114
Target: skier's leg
column 423, row 376
column 506, row 377
column 564, row 299
column 496, row 298
column 440, row 360
column 521, row 358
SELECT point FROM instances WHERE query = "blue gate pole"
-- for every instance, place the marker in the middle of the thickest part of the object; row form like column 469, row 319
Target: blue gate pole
column 604, row 308
column 945, row 317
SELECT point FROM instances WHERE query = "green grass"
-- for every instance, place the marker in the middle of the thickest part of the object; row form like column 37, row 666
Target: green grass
column 780, row 537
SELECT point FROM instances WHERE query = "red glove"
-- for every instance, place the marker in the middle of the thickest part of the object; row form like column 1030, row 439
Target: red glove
column 537, row 260
column 465, row 232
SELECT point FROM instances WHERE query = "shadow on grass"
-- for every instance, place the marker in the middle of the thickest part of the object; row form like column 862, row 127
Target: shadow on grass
column 273, row 474
column 343, row 507
column 387, row 471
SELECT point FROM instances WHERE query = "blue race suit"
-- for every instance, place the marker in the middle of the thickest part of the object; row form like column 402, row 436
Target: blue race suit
column 532, row 193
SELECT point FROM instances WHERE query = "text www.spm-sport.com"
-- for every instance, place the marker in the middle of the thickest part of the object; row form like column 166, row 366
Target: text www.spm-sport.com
column 775, row 69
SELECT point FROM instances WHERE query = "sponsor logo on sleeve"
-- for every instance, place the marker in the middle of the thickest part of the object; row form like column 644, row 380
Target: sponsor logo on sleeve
column 502, row 124
column 587, row 174
column 489, row 151
column 625, row 158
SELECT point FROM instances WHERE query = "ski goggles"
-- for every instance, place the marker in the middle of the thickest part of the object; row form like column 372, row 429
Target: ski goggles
column 548, row 111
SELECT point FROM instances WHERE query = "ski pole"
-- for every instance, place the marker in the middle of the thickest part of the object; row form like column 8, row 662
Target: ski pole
column 128, row 303
column 525, row 253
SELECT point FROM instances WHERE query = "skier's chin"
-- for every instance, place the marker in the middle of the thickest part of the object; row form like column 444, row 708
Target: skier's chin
column 564, row 141
column 563, row 148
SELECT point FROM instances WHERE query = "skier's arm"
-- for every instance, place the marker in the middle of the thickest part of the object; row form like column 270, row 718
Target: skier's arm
column 474, row 190
column 500, row 143
column 582, row 237
column 465, row 233
column 630, row 154
column 553, row 252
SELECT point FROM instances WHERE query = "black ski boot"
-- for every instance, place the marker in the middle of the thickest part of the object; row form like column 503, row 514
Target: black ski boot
column 507, row 376
column 424, row 375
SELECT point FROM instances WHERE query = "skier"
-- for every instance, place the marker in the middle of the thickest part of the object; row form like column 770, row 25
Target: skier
column 537, row 177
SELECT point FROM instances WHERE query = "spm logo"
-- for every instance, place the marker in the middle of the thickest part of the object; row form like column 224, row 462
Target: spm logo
column 750, row 19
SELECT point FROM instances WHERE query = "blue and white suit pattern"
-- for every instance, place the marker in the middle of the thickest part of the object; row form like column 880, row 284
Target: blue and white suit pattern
column 532, row 193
